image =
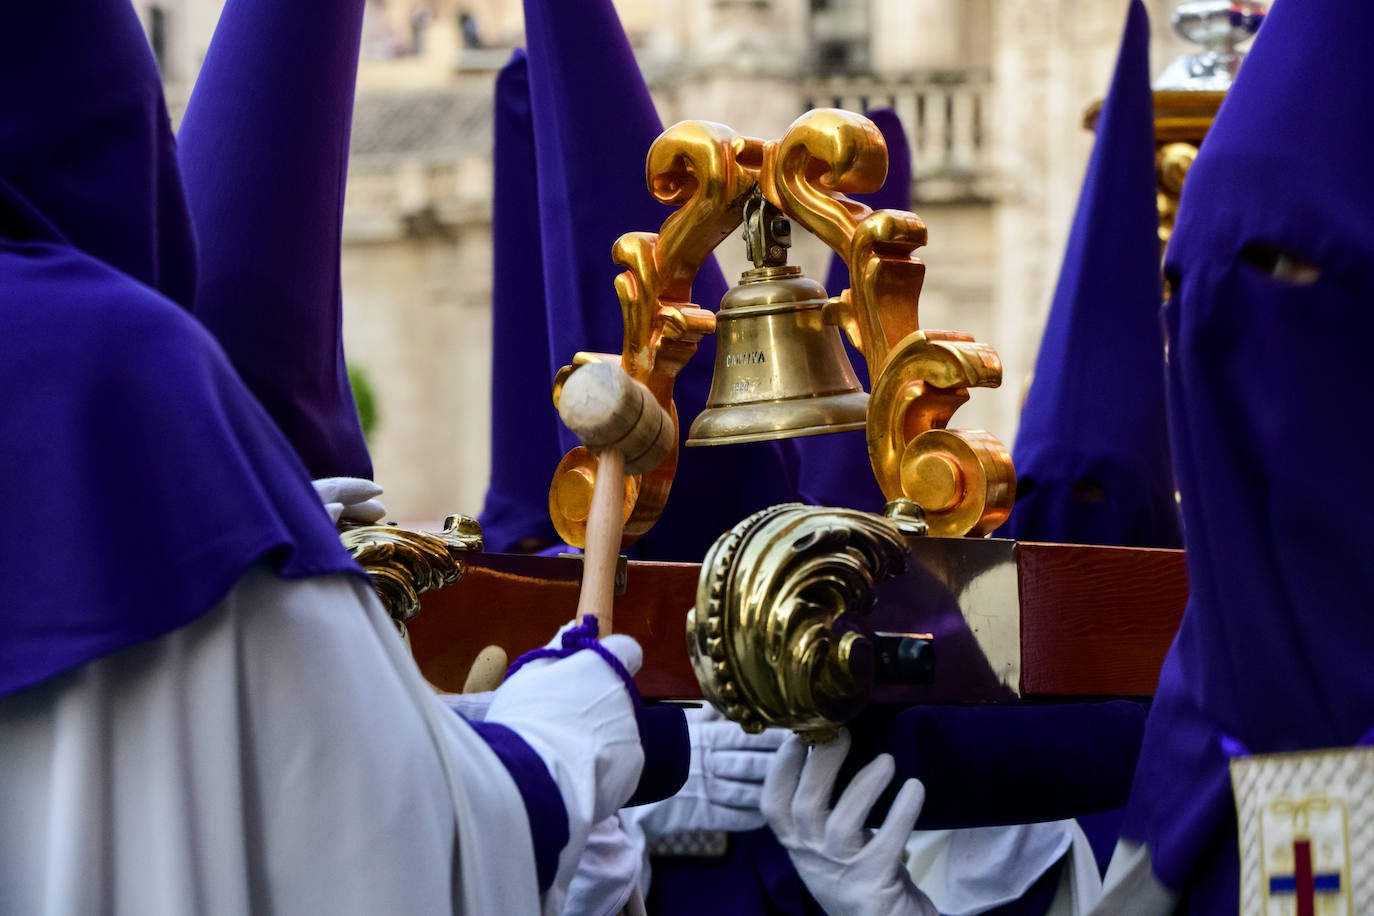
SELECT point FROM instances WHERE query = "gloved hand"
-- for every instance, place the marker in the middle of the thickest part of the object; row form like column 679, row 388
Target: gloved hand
column 724, row 779
column 576, row 713
column 351, row 498
column 846, row 870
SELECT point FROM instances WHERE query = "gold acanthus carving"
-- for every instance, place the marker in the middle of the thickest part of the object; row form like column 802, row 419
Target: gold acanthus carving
column 405, row 563
column 765, row 635
column 694, row 166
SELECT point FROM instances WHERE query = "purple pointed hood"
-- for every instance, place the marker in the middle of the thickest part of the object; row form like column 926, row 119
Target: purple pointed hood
column 525, row 446
column 143, row 480
column 1092, row 454
column 85, row 143
column 1272, row 268
column 264, row 150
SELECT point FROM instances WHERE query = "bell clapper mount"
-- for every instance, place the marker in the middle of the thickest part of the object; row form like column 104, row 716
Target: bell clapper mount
column 767, row 234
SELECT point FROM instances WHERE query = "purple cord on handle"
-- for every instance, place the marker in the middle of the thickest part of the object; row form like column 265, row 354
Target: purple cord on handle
column 575, row 639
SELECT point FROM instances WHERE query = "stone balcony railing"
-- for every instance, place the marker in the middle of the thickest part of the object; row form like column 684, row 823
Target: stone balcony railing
column 945, row 115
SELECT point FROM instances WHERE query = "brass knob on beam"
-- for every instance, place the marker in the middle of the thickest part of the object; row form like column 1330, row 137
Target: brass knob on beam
column 775, row 636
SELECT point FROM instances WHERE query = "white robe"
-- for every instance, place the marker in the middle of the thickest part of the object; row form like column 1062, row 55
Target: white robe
column 975, row 869
column 281, row 755
column 1131, row 888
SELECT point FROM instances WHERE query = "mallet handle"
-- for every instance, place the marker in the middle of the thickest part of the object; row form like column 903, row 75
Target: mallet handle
column 605, row 522
column 619, row 421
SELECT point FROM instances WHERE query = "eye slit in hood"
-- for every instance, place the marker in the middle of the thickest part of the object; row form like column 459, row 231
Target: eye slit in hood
column 1280, row 265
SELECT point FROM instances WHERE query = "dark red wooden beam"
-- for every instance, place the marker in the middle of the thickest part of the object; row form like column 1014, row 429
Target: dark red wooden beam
column 1094, row 621
column 1097, row 621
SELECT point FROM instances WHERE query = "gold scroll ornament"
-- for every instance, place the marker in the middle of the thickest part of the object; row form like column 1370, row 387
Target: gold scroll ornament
column 963, row 479
column 765, row 635
column 694, row 166
column 404, row 563
column 1182, row 119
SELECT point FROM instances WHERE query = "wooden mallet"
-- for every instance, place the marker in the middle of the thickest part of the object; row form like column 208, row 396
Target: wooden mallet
column 618, row 420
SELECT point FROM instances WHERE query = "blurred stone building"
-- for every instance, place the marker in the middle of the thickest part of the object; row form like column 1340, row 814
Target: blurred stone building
column 991, row 92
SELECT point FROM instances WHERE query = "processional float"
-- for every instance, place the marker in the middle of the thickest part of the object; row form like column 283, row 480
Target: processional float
column 800, row 616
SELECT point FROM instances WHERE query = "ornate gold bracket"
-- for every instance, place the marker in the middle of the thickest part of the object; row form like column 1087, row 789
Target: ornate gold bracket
column 964, row 479
column 1182, row 119
column 766, row 636
column 920, row 378
column 695, row 166
column 404, row 563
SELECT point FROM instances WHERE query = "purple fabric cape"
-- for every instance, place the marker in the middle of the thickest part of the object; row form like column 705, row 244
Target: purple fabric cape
column 1274, row 650
column 834, row 470
column 264, row 152
column 144, row 477
column 593, row 124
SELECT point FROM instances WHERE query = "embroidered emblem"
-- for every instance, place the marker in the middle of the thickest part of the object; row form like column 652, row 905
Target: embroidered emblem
column 1306, row 826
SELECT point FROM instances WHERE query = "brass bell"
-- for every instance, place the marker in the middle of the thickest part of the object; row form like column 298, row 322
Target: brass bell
column 781, row 371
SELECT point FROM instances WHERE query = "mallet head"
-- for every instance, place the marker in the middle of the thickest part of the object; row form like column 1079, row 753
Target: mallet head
column 609, row 410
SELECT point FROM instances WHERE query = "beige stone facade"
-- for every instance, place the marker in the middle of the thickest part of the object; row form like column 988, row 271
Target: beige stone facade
column 991, row 91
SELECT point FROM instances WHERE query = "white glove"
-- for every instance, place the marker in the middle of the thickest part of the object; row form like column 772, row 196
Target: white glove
column 724, row 779
column 350, row 498
column 577, row 715
column 847, row 871
column 612, row 864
